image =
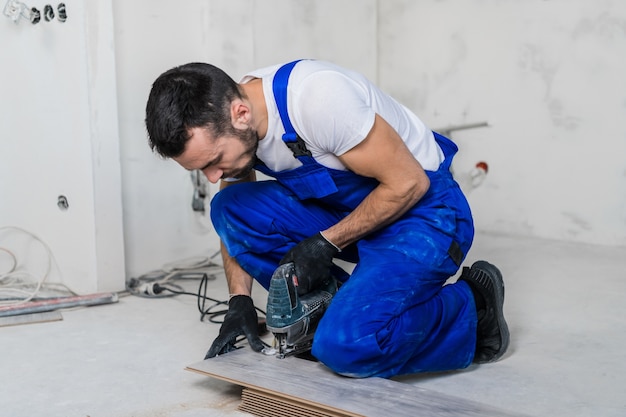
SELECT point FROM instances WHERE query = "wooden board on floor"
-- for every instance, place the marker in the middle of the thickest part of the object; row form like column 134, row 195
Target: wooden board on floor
column 292, row 387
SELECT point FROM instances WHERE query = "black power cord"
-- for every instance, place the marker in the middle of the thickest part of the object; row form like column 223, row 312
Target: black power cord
column 161, row 285
column 205, row 312
column 209, row 311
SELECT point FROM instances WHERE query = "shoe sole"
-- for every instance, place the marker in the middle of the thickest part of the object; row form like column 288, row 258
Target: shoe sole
column 498, row 284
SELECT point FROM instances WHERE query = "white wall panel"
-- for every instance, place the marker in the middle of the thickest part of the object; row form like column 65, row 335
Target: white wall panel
column 548, row 77
column 342, row 31
column 59, row 137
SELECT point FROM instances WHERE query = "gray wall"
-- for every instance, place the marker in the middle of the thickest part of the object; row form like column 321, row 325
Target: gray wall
column 547, row 76
column 59, row 136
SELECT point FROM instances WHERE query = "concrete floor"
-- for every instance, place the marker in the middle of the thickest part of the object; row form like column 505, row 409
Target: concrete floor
column 565, row 307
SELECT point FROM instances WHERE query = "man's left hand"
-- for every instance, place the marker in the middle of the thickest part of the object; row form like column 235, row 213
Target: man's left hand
column 313, row 258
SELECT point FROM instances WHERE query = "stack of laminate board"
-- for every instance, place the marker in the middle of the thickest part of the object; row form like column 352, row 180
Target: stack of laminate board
column 294, row 387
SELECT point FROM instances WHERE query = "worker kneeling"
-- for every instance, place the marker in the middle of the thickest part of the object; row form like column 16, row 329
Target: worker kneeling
column 357, row 177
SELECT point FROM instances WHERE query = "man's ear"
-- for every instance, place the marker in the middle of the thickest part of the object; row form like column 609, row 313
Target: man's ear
column 240, row 114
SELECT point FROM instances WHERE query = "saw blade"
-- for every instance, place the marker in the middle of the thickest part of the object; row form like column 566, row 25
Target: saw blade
column 283, row 349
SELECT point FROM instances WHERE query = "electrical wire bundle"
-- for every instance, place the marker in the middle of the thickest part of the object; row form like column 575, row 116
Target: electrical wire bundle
column 19, row 285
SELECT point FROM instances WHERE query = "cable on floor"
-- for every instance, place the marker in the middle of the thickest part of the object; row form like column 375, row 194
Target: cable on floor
column 162, row 283
column 209, row 312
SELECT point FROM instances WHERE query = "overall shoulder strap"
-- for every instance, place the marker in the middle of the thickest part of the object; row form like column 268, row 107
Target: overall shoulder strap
column 279, row 87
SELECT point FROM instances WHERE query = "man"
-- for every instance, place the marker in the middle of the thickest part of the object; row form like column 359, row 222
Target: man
column 358, row 177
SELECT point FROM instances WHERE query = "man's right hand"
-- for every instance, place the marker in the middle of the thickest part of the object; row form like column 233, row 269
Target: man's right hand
column 241, row 318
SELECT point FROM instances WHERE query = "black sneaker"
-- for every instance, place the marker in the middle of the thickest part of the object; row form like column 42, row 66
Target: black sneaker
column 486, row 283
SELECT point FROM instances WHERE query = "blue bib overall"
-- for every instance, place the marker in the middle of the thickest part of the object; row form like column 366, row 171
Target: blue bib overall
column 394, row 314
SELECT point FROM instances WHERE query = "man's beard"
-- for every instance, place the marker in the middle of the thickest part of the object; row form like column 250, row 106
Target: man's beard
column 250, row 140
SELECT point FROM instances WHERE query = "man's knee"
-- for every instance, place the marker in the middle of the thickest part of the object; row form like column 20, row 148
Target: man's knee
column 232, row 210
column 331, row 353
column 220, row 212
column 335, row 347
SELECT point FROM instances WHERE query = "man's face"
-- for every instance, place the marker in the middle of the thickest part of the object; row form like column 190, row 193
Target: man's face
column 232, row 155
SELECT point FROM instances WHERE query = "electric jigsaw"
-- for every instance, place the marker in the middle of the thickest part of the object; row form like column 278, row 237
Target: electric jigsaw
column 291, row 318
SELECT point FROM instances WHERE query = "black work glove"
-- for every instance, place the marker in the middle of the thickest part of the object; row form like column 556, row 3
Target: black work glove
column 240, row 319
column 313, row 258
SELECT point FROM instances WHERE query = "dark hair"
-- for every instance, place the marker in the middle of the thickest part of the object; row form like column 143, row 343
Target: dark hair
column 187, row 96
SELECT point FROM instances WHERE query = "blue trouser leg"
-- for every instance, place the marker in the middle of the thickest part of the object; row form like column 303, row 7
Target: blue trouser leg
column 259, row 222
column 395, row 315
column 389, row 320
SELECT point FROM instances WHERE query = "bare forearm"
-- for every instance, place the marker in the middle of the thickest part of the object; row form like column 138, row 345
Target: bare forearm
column 239, row 282
column 380, row 208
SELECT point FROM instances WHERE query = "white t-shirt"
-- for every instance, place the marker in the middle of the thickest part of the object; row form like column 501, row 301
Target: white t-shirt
column 332, row 109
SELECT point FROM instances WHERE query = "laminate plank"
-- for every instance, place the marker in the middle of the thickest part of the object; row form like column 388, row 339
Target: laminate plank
column 311, row 384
